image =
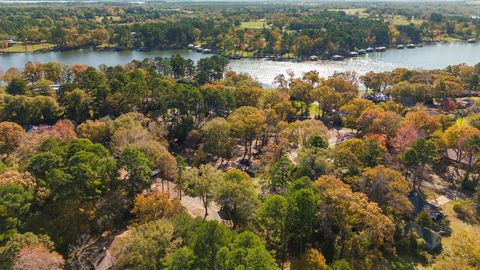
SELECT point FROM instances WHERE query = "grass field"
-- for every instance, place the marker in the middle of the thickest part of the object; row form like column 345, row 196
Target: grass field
column 106, row 46
column 258, row 24
column 109, row 18
column 446, row 38
column 353, row 11
column 402, row 20
column 242, row 54
column 28, row 48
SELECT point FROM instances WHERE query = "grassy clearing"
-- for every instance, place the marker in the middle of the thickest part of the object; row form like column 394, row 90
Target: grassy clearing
column 447, row 38
column 241, row 53
column 258, row 24
column 402, row 20
column 108, row 18
column 106, row 46
column 28, row 48
column 360, row 12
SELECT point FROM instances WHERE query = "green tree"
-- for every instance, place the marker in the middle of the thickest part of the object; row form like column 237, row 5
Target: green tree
column 424, row 219
column 237, row 196
column 217, row 140
column 246, row 252
column 137, row 173
column 340, row 265
column 211, row 69
column 77, row 105
column 17, row 87
column 317, row 141
column 302, row 210
column 202, row 182
column 15, row 202
column 415, row 158
column 312, row 162
column 146, row 246
column 207, row 240
column 280, row 174
column 247, row 124
column 182, row 259
column 43, row 110
column 181, row 67
column 73, row 177
column 273, row 217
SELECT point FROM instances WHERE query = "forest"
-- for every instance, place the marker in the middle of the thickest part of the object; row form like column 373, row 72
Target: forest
column 169, row 164
column 251, row 30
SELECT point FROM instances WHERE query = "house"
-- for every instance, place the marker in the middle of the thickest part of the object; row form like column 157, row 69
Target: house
column 433, row 241
column 420, row 204
column 53, row 87
column 377, row 98
column 12, row 42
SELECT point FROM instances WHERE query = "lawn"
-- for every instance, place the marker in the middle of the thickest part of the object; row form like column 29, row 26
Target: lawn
column 105, row 46
column 360, row 12
column 402, row 20
column 258, row 24
column 241, row 53
column 109, row 18
column 28, row 48
column 446, row 38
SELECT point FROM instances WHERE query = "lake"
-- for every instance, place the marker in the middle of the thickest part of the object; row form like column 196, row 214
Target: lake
column 433, row 56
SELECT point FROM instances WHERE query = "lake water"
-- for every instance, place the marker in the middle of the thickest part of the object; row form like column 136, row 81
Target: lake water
column 429, row 57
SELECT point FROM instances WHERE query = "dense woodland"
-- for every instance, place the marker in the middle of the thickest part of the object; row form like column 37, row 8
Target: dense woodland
column 284, row 31
column 77, row 161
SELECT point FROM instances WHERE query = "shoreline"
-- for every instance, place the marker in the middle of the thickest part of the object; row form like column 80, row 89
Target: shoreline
column 230, row 57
